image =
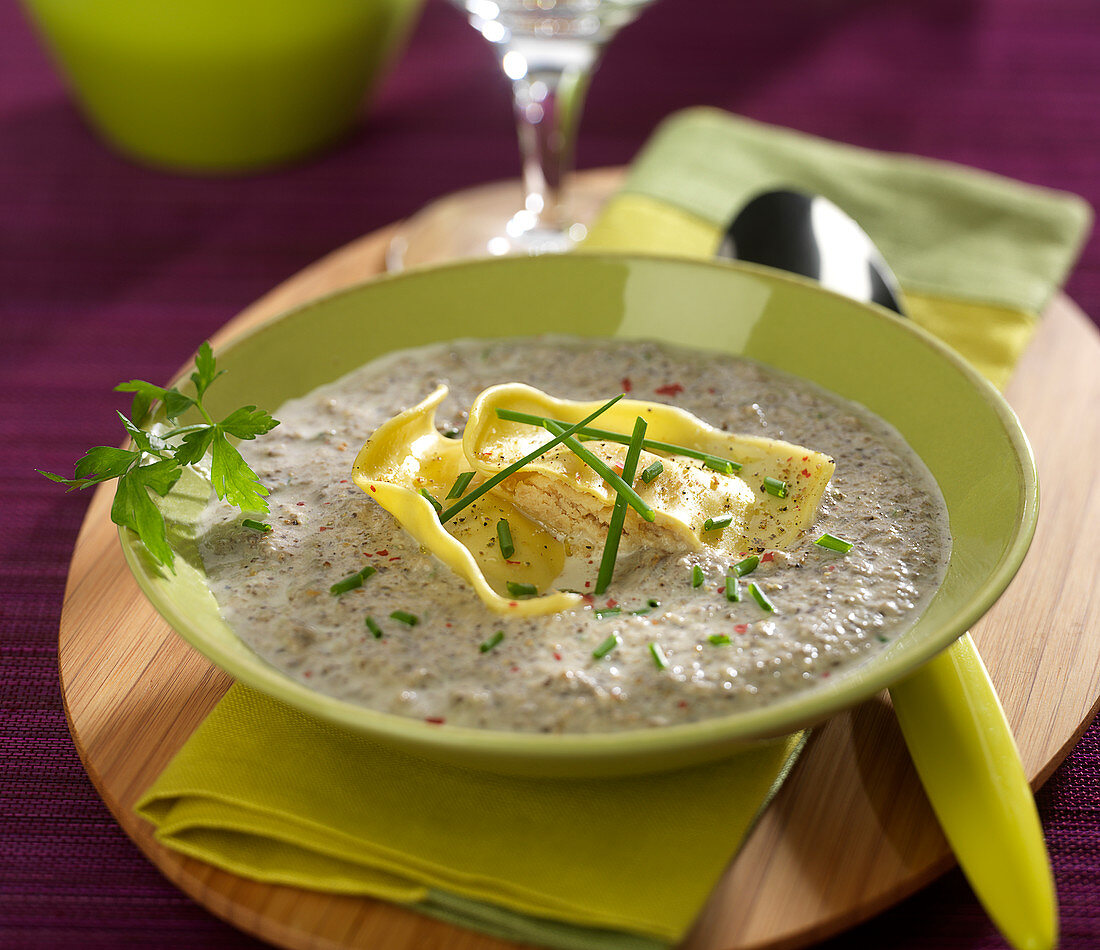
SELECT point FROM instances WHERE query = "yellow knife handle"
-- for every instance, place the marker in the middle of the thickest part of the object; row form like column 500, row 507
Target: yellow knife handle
column 968, row 763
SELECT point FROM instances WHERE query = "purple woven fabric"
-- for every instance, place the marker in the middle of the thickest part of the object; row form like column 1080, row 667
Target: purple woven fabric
column 110, row 271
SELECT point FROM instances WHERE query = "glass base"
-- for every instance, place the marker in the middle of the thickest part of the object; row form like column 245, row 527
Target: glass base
column 483, row 222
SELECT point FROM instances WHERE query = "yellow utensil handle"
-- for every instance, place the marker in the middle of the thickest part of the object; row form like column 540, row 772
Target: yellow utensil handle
column 967, row 759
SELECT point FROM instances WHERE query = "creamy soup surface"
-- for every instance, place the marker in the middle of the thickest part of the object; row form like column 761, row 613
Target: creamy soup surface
column 831, row 610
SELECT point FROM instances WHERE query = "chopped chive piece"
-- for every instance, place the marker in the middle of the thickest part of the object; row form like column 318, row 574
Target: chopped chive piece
column 651, row 471
column 459, row 486
column 659, row 658
column 834, row 543
column 604, row 435
column 725, row 466
column 717, row 524
column 403, row 616
column 618, row 512
column 373, row 627
column 719, row 639
column 733, row 590
column 697, row 576
column 653, row 602
column 431, row 498
column 601, row 468
column 606, row 647
column 747, row 566
column 517, row 465
column 452, row 433
column 492, row 641
column 504, row 538
column 607, row 612
column 263, row 526
column 351, row 582
column 761, row 598
column 522, row 590
column 775, row 486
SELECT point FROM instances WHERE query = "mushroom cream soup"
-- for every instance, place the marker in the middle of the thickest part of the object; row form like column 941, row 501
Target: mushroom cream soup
column 725, row 599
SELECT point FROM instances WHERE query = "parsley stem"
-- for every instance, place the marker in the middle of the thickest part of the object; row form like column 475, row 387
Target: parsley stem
column 446, row 515
column 618, row 513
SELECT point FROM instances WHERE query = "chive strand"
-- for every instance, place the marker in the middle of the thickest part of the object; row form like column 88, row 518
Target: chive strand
column 262, row 526
column 432, row 500
column 618, row 513
column 504, row 539
column 746, row 565
column 717, row 524
column 659, row 658
column 492, row 642
column 697, row 576
column 833, row 543
column 732, row 590
column 602, row 469
column 651, row 471
column 351, row 582
column 449, row 513
column 606, row 435
column 521, row 590
column 403, row 616
column 459, row 486
column 775, row 486
column 606, row 647
column 761, row 598
column 373, row 627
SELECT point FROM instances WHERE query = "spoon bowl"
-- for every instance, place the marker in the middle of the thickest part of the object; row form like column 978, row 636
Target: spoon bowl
column 809, row 235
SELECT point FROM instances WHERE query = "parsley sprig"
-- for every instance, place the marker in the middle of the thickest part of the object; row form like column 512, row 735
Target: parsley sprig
column 155, row 461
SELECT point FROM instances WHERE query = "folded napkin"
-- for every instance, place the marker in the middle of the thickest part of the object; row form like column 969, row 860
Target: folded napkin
column 270, row 794
column 978, row 256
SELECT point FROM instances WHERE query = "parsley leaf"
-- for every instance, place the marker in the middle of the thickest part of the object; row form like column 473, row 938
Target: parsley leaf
column 154, row 462
column 233, row 480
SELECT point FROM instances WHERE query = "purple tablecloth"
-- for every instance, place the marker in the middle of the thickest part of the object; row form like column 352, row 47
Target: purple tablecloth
column 110, row 271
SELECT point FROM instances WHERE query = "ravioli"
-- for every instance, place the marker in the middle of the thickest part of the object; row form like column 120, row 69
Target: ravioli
column 556, row 504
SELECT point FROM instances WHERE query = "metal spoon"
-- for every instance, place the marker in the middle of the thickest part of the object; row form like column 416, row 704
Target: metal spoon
column 809, row 235
column 948, row 711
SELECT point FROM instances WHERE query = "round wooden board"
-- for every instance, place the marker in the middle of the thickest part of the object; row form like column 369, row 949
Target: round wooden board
column 848, row 835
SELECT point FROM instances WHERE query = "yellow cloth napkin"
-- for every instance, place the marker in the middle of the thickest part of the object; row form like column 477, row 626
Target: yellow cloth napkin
column 270, row 794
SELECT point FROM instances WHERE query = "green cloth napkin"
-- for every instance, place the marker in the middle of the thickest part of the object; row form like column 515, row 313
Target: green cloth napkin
column 266, row 792
column 978, row 256
column 270, row 794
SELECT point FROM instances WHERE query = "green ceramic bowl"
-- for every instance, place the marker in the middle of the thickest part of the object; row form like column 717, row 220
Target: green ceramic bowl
column 957, row 422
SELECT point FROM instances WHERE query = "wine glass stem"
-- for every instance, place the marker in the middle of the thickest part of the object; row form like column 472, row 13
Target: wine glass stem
column 547, row 105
